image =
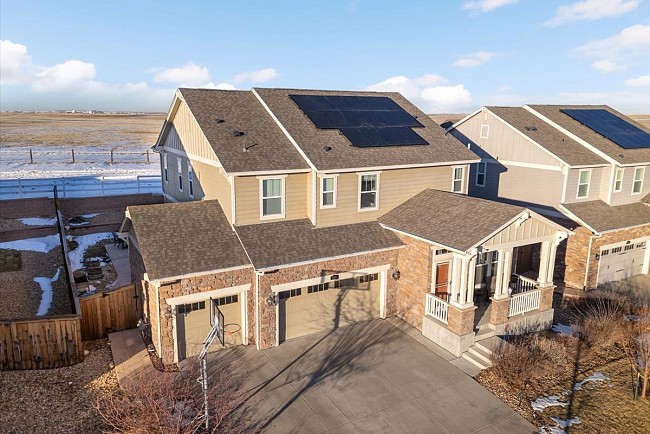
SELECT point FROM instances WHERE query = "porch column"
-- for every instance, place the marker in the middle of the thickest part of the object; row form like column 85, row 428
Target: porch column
column 551, row 262
column 454, row 286
column 543, row 263
column 505, row 279
column 471, row 276
column 499, row 272
column 463, row 282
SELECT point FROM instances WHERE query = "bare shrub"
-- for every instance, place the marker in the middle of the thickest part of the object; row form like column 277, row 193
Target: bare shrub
column 173, row 403
column 636, row 344
column 601, row 319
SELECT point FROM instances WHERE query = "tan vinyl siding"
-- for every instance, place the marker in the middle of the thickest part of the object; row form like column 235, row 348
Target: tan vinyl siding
column 594, row 185
column 502, row 142
column 395, row 187
column 310, row 195
column 529, row 230
column 210, row 183
column 186, row 135
column 625, row 196
column 247, row 202
column 526, row 185
column 605, row 185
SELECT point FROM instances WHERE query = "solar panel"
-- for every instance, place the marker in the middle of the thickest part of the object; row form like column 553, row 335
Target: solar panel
column 612, row 127
column 366, row 121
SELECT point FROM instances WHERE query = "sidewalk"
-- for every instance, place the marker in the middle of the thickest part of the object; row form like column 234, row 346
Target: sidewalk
column 130, row 356
column 120, row 259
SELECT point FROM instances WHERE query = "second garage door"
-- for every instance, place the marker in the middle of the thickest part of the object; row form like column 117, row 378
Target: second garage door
column 327, row 306
column 621, row 261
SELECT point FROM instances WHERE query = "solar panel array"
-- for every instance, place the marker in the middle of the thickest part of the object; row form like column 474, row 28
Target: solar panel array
column 612, row 127
column 366, row 121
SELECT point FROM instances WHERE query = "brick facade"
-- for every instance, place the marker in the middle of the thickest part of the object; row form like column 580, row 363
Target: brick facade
column 460, row 321
column 578, row 251
column 267, row 324
column 415, row 264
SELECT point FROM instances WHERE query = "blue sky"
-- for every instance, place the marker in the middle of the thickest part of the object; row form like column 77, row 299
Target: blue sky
column 445, row 56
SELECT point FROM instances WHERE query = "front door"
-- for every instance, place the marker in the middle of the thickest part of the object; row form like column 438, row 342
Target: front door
column 442, row 281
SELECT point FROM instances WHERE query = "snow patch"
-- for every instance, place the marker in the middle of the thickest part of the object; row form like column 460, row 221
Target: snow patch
column 46, row 286
column 540, row 404
column 89, row 216
column 39, row 221
column 40, row 244
column 84, row 241
column 560, row 427
column 596, row 377
column 562, row 329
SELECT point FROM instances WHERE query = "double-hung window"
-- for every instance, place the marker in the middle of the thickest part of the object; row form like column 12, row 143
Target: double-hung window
column 369, row 191
column 180, row 173
column 618, row 180
column 165, row 172
column 190, row 179
column 272, row 197
column 481, row 170
column 328, row 192
column 583, row 183
column 457, row 180
column 637, row 184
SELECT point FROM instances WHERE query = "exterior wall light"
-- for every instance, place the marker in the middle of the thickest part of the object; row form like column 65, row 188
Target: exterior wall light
column 396, row 274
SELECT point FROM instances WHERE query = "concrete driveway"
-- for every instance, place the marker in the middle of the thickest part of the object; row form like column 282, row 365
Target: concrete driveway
column 376, row 376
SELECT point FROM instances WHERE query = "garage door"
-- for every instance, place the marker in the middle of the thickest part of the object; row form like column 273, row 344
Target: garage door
column 619, row 261
column 193, row 325
column 326, row 306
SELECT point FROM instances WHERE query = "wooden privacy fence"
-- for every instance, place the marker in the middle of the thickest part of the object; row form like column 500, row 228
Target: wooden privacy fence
column 41, row 343
column 107, row 312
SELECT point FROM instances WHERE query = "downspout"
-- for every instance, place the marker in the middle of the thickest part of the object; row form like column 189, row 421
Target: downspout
column 159, row 313
column 257, row 308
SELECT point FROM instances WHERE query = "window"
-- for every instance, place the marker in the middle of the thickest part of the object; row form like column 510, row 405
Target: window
column 604, row 252
column 368, row 191
column 640, row 245
column 180, row 174
column 480, row 275
column 165, row 173
column 190, row 307
column 628, row 247
column 328, row 192
column 318, row 288
column 617, row 250
column 637, row 184
column 227, row 300
column 485, row 131
column 290, row 293
column 618, row 180
column 272, row 195
column 583, row 183
column 457, row 181
column 369, row 278
column 190, row 179
column 441, row 251
column 481, row 169
column 349, row 282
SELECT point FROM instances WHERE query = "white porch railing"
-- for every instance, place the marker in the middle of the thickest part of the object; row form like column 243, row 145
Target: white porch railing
column 437, row 308
column 523, row 284
column 524, row 302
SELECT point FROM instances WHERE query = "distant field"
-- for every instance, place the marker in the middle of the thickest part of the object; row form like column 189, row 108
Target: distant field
column 72, row 129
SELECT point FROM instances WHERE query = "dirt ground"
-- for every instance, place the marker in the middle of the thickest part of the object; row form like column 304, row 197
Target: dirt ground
column 58, row 400
column 69, row 129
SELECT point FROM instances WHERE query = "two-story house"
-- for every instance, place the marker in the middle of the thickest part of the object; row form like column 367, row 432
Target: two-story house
column 589, row 163
column 297, row 211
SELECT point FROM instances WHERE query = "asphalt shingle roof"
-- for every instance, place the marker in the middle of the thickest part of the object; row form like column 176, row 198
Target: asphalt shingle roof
column 602, row 217
column 288, row 242
column 312, row 141
column 465, row 222
column 609, row 148
column 241, row 111
column 547, row 136
column 186, row 237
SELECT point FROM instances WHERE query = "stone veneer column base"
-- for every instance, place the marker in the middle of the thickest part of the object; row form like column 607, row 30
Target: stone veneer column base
column 500, row 309
column 439, row 334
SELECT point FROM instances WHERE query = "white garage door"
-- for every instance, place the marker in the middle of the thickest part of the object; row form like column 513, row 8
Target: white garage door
column 311, row 309
column 619, row 261
column 193, row 325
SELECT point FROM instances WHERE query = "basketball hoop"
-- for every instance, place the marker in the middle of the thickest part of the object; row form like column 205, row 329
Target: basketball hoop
column 231, row 328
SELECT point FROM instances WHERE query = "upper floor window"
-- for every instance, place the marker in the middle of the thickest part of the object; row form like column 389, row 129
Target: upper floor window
column 637, row 184
column 583, row 183
column 165, row 172
column 485, row 131
column 190, row 179
column 369, row 191
column 618, row 180
column 481, row 170
column 457, row 181
column 328, row 192
column 180, row 173
column 272, row 197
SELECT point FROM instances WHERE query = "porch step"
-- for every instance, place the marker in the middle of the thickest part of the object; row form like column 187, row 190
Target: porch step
column 484, row 331
column 478, row 357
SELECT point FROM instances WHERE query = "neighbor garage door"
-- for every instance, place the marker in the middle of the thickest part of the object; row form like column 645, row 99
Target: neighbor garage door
column 326, row 306
column 193, row 324
column 621, row 260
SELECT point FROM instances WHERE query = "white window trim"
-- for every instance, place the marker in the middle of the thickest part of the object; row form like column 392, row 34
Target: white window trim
column 478, row 165
column 283, row 179
column 179, row 169
column 320, row 180
column 588, row 184
column 487, row 131
column 190, row 180
column 462, row 179
column 165, row 168
column 359, row 176
column 622, row 172
column 635, row 181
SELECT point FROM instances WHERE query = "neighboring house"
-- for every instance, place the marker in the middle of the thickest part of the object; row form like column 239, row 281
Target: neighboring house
column 298, row 211
column 559, row 160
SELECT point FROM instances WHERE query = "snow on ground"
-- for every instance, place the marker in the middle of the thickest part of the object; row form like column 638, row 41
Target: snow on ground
column 547, row 401
column 39, row 221
column 560, row 427
column 84, row 241
column 89, row 216
column 40, row 244
column 596, row 377
column 46, row 286
column 562, row 329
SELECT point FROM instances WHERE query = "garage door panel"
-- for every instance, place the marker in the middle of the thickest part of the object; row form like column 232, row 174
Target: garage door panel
column 621, row 261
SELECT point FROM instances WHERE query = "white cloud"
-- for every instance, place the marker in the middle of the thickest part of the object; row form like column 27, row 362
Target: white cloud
column 189, row 75
column 221, row 86
column 606, row 66
column 487, row 5
column 16, row 64
column 589, row 10
column 631, row 40
column 474, row 59
column 69, row 75
column 643, row 80
column 259, row 76
column 428, row 92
